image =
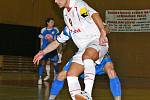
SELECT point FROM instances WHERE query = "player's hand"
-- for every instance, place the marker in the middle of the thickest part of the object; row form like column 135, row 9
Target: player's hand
column 49, row 37
column 38, row 57
column 103, row 40
column 40, row 36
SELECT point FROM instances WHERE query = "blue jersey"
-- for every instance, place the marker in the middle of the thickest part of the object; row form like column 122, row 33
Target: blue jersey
column 53, row 32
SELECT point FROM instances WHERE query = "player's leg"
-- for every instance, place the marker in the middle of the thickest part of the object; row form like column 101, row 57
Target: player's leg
column 58, row 83
column 60, row 52
column 47, row 71
column 54, row 60
column 60, row 57
column 56, row 69
column 41, row 67
column 72, row 78
column 89, row 56
column 115, row 85
column 40, row 71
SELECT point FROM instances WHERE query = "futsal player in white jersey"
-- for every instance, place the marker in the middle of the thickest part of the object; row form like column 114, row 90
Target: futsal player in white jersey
column 87, row 31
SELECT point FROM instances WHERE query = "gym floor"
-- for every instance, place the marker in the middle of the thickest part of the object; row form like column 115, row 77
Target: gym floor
column 23, row 86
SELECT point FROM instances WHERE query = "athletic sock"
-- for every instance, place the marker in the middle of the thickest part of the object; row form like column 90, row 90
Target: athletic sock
column 115, row 86
column 57, row 85
column 48, row 70
column 74, row 86
column 89, row 75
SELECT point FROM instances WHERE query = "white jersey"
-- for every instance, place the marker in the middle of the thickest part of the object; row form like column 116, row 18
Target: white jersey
column 78, row 19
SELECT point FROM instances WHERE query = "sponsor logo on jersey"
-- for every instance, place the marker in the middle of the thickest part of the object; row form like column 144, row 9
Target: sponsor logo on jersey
column 53, row 32
column 83, row 12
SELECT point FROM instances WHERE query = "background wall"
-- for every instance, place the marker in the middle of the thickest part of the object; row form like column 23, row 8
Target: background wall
column 130, row 51
column 33, row 12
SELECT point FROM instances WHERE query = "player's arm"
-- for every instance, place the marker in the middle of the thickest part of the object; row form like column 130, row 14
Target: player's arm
column 98, row 21
column 41, row 43
column 40, row 36
column 52, row 46
column 96, row 18
column 106, row 28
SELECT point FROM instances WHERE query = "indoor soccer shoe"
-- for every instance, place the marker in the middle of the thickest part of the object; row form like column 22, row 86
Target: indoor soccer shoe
column 40, row 81
column 46, row 78
column 83, row 96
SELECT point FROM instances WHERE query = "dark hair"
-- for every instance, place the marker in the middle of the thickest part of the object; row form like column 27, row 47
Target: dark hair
column 48, row 20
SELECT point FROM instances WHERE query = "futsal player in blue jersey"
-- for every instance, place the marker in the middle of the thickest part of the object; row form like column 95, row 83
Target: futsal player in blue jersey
column 48, row 34
column 104, row 66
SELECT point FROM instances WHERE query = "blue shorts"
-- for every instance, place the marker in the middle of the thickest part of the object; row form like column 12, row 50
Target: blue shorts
column 99, row 67
column 52, row 56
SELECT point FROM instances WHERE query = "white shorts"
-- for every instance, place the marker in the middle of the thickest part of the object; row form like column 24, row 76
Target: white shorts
column 94, row 44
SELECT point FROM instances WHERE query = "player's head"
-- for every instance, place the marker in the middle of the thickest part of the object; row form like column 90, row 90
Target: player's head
column 62, row 3
column 50, row 22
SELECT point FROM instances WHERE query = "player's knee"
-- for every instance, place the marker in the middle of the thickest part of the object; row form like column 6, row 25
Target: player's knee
column 111, row 73
column 61, row 76
column 92, row 56
column 84, row 56
column 71, row 73
column 110, row 70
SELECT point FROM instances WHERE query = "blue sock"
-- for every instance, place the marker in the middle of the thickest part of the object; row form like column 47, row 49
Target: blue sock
column 115, row 86
column 57, row 85
column 40, row 70
column 56, row 68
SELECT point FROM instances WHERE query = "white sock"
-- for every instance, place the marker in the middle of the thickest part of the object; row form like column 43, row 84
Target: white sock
column 48, row 70
column 55, row 75
column 89, row 72
column 60, row 56
column 74, row 86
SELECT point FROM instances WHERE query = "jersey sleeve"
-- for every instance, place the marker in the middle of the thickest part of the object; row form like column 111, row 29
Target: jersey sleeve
column 40, row 35
column 57, row 31
column 64, row 36
column 42, row 30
